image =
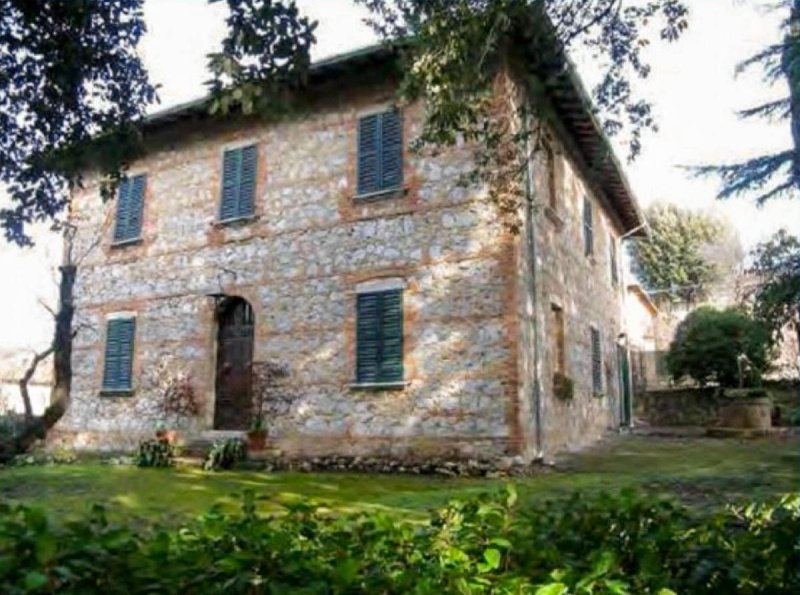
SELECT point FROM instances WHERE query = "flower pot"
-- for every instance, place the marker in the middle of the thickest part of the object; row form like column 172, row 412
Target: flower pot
column 256, row 440
column 168, row 436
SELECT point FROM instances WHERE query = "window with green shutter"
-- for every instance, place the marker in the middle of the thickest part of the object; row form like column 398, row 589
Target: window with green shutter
column 379, row 337
column 380, row 153
column 239, row 167
column 130, row 205
column 118, row 364
column 588, row 227
column 612, row 255
column 597, row 362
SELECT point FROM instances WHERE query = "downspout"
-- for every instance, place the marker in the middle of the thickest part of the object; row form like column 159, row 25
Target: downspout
column 536, row 395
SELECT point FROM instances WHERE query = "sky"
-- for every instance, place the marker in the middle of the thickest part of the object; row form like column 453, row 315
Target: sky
column 692, row 85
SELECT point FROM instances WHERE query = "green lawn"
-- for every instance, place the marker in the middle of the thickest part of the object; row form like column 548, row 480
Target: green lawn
column 702, row 472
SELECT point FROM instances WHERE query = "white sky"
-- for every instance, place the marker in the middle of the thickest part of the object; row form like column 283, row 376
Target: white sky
column 692, row 85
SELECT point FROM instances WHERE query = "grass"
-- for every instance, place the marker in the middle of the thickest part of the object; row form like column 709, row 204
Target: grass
column 702, row 472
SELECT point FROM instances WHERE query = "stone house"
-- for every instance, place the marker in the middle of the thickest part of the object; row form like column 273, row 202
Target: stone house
column 406, row 319
column 646, row 341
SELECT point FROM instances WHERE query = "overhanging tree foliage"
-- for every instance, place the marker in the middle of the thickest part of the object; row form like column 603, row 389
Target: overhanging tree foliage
column 776, row 299
column 68, row 71
column 685, row 253
column 774, row 174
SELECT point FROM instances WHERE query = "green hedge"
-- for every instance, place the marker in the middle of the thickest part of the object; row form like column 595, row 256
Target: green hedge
column 606, row 544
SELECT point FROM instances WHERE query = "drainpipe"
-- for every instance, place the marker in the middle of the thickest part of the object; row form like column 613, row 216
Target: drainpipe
column 531, row 246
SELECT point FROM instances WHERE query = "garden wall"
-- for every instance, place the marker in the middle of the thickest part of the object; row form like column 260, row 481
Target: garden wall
column 699, row 406
column 677, row 407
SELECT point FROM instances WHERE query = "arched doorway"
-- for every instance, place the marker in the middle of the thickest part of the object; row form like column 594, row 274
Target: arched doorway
column 234, row 383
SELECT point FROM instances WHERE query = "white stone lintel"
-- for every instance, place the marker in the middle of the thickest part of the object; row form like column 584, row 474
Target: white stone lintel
column 385, row 284
column 120, row 315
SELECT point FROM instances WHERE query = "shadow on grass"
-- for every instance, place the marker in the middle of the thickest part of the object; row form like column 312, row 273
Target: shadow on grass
column 701, row 472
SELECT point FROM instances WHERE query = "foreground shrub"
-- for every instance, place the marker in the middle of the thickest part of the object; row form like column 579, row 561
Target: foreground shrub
column 224, row 454
column 609, row 544
column 155, row 453
column 710, row 345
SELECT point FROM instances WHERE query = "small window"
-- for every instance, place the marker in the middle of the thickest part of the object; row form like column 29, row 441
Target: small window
column 558, row 339
column 238, row 183
column 597, row 362
column 130, row 204
column 552, row 190
column 380, row 153
column 588, row 227
column 612, row 255
column 379, row 337
column 118, row 365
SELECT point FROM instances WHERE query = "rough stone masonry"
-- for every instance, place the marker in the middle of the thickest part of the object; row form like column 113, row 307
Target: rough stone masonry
column 477, row 330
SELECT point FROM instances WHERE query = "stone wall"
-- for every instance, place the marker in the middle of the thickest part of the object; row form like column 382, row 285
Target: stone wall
column 678, row 407
column 582, row 287
column 298, row 263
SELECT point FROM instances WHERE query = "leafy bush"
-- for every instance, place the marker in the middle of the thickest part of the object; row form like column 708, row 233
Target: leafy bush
column 11, row 426
column 224, row 454
column 155, row 453
column 709, row 343
column 609, row 544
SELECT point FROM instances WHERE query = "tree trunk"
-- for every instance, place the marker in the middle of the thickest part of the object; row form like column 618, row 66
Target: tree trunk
column 26, row 378
column 62, row 364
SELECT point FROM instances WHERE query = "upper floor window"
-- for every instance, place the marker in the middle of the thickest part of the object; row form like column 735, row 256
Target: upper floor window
column 380, row 152
column 118, row 361
column 614, row 260
column 552, row 190
column 238, row 183
column 597, row 362
column 379, row 337
column 588, row 227
column 130, row 205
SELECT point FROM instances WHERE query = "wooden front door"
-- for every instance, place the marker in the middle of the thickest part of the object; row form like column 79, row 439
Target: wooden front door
column 234, row 386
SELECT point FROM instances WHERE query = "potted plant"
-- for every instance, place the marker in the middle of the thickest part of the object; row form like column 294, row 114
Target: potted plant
column 177, row 403
column 165, row 434
column 257, row 434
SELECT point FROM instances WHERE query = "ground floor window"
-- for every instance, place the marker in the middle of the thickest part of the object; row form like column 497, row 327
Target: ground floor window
column 118, row 362
column 379, row 337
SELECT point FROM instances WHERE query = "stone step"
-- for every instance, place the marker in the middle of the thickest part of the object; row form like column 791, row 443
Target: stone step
column 199, row 444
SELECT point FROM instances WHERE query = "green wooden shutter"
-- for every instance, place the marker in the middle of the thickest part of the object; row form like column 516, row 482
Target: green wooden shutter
column 239, row 168
column 369, row 154
column 118, row 365
column 391, row 150
column 135, row 210
column 588, row 227
column 597, row 362
column 391, row 336
column 368, row 337
column 380, row 152
column 130, row 204
column 379, row 337
column 247, row 181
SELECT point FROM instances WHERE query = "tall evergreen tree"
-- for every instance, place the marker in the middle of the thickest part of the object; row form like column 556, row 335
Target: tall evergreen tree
column 774, row 174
